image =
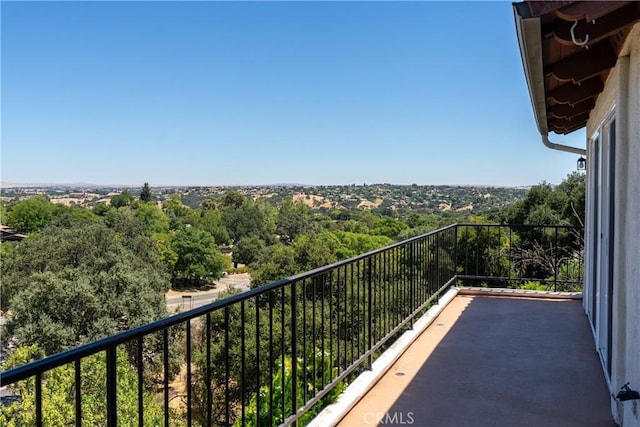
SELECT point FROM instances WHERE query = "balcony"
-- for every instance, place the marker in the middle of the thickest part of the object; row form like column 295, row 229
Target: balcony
column 492, row 361
column 232, row 362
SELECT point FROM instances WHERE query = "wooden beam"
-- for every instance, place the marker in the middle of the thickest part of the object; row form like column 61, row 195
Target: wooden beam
column 567, row 111
column 584, row 64
column 567, row 129
column 588, row 10
column 539, row 8
column 604, row 27
column 573, row 94
column 568, row 123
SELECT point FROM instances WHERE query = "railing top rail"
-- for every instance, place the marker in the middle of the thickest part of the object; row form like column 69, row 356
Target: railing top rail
column 473, row 224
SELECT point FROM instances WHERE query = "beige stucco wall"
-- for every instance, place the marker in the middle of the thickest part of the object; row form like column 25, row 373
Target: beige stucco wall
column 622, row 92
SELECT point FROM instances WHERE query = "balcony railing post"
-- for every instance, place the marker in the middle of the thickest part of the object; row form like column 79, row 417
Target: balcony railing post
column 412, row 282
column 438, row 266
column 112, row 413
column 78, row 381
column 455, row 254
column 38, row 398
column 555, row 260
column 294, row 352
column 369, row 310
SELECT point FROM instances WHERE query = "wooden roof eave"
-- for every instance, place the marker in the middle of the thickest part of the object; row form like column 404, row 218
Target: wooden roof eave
column 529, row 33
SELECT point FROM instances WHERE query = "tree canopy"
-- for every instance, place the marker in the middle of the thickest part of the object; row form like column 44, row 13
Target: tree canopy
column 145, row 193
column 198, row 257
column 112, row 281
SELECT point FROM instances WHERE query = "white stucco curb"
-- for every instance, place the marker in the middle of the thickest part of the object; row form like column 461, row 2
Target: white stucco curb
column 332, row 414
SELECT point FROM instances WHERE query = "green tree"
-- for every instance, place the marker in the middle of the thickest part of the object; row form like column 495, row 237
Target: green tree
column 31, row 214
column 155, row 220
column 101, row 209
column 145, row 193
column 198, row 256
column 250, row 218
column 277, row 262
column 232, row 199
column 179, row 214
column 353, row 244
column 293, row 219
column 574, row 187
column 211, row 221
column 310, row 379
column 58, row 399
column 70, row 286
column 3, row 213
column 315, row 250
column 123, row 199
column 389, row 227
column 248, row 250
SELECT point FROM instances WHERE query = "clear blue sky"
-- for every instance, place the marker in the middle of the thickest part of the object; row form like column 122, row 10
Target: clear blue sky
column 236, row 93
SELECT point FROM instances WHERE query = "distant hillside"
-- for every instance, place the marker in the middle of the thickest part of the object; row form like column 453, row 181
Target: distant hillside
column 377, row 197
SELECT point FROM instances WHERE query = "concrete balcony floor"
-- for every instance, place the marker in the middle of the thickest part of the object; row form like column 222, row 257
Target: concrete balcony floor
column 494, row 361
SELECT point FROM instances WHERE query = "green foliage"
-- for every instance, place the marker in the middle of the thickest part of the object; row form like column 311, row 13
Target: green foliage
column 248, row 250
column 482, row 251
column 533, row 286
column 31, row 214
column 293, row 220
column 145, row 193
column 179, row 215
column 241, row 324
column 58, row 393
column 70, row 216
column 112, row 281
column 125, row 221
column 315, row 250
column 211, row 221
column 543, row 204
column 250, row 218
column 277, row 261
column 284, row 397
column 123, row 199
column 101, row 209
column 3, row 213
column 7, row 250
column 232, row 199
column 389, row 227
column 353, row 244
column 198, row 257
column 154, row 220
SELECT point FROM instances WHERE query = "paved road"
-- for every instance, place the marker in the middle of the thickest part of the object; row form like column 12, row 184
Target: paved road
column 187, row 300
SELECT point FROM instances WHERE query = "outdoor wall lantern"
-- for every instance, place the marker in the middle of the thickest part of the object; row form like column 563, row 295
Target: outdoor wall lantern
column 582, row 163
column 626, row 393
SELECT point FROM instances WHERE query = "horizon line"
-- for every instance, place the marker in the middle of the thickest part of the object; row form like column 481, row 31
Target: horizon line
column 10, row 184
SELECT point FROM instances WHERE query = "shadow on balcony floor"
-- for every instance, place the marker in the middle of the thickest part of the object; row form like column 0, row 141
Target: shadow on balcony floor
column 490, row 361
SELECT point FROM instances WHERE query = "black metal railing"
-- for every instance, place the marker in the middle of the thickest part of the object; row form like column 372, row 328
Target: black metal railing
column 537, row 257
column 278, row 353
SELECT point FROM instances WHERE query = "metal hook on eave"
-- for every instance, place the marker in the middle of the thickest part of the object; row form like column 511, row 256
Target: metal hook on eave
column 573, row 37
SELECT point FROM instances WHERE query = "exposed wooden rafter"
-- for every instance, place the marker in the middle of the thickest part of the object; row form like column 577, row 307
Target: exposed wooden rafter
column 567, row 123
column 567, row 111
column 573, row 94
column 588, row 10
column 604, row 27
column 584, row 64
column 567, row 129
column 539, row 8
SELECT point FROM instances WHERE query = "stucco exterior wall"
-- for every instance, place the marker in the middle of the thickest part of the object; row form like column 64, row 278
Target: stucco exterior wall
column 622, row 92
